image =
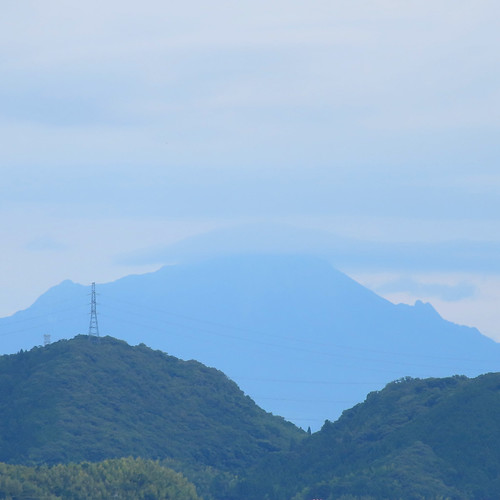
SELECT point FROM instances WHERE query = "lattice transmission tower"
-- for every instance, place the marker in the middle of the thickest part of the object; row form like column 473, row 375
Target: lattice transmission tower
column 94, row 326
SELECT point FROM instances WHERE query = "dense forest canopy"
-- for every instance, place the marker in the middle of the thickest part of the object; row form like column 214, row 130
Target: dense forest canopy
column 72, row 412
column 119, row 478
column 75, row 400
column 429, row 438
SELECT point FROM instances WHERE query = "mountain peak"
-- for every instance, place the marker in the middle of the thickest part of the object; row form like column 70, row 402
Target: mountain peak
column 425, row 306
column 282, row 314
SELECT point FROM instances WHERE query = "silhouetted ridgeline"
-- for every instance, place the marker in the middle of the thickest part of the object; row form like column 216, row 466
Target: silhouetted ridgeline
column 290, row 330
column 77, row 401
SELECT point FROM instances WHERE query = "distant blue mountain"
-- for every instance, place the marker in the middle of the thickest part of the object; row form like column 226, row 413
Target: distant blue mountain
column 301, row 338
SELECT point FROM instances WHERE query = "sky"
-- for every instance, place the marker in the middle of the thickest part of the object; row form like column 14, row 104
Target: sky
column 368, row 130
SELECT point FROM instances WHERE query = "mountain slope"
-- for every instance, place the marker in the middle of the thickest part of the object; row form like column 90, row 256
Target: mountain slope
column 120, row 478
column 303, row 339
column 432, row 438
column 77, row 400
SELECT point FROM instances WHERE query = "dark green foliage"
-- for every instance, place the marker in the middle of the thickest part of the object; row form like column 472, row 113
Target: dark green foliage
column 125, row 478
column 76, row 401
column 416, row 439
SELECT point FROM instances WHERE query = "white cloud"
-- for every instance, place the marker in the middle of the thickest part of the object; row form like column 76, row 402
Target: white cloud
column 478, row 310
column 47, row 244
column 361, row 76
column 369, row 113
column 443, row 291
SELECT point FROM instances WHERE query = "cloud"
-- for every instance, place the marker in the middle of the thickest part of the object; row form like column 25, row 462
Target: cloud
column 45, row 244
column 252, row 83
column 448, row 293
column 251, row 108
column 345, row 253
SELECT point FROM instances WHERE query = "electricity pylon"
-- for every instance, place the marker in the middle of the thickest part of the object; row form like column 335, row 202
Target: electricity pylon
column 94, row 326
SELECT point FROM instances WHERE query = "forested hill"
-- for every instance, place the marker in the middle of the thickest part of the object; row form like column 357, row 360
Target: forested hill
column 431, row 438
column 119, row 478
column 315, row 334
column 76, row 400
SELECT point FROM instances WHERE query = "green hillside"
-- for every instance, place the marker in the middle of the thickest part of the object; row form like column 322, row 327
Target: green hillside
column 76, row 401
column 75, row 409
column 125, row 478
column 416, row 439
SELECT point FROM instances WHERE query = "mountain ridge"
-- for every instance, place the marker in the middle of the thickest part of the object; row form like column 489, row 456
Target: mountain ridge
column 77, row 400
column 289, row 329
column 100, row 400
column 416, row 438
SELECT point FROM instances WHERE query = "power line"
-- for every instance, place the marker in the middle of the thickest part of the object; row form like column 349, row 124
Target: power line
column 277, row 337
column 266, row 339
column 161, row 325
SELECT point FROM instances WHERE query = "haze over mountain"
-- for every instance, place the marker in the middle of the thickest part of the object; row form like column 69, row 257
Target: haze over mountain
column 345, row 252
column 80, row 400
column 303, row 339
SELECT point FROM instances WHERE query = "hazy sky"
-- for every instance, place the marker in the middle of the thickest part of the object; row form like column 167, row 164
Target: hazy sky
column 128, row 126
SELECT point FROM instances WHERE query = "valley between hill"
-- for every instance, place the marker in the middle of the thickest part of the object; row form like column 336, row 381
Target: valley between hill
column 94, row 404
